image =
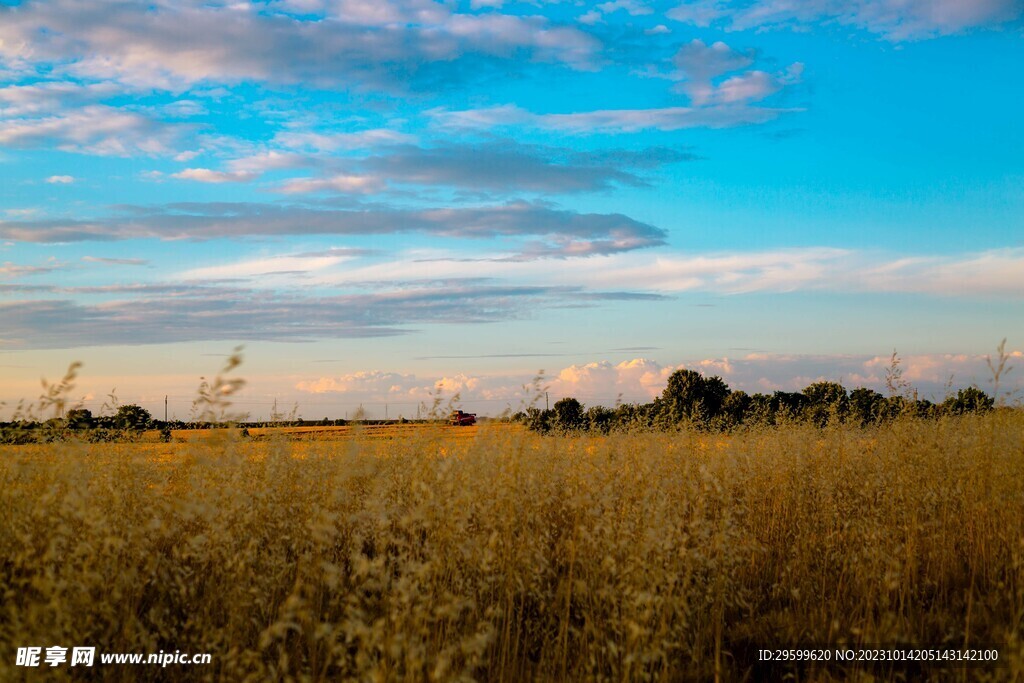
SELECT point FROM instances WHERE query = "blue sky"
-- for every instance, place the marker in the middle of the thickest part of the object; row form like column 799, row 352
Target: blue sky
column 382, row 200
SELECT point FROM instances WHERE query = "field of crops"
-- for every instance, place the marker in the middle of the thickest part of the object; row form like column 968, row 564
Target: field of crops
column 495, row 554
column 389, row 431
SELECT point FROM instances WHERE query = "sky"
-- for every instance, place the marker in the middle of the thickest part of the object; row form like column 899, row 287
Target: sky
column 392, row 202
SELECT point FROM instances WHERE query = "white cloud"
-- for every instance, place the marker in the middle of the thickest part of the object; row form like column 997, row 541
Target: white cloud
column 610, row 120
column 60, row 180
column 205, row 175
column 722, row 92
column 49, row 96
column 116, row 261
column 699, row 12
column 182, row 109
column 329, row 142
column 243, row 169
column 893, row 19
column 409, row 394
column 356, row 43
column 702, row 62
column 188, row 155
column 258, row 164
column 169, row 312
column 20, row 213
column 631, row 7
column 496, row 166
column 597, row 382
column 998, row 273
column 504, row 34
column 270, row 265
column 95, row 129
column 641, row 380
column 539, row 231
column 700, row 66
column 750, row 87
column 14, row 270
column 371, row 384
column 345, row 184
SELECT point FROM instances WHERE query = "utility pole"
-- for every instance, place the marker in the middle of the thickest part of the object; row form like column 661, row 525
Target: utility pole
column 165, row 409
column 547, row 405
column 385, row 411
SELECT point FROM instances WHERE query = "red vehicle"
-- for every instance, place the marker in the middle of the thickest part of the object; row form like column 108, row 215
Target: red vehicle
column 461, row 419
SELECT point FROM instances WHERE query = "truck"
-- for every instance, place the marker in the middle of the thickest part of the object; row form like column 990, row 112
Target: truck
column 461, row 419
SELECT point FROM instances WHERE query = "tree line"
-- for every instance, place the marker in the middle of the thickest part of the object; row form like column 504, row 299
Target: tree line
column 692, row 399
column 130, row 421
column 126, row 424
column 689, row 399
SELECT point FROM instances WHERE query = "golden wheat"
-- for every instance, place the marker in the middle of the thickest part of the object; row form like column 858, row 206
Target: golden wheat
column 510, row 557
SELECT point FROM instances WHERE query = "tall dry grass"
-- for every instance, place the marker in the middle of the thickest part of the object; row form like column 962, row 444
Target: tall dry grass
column 513, row 557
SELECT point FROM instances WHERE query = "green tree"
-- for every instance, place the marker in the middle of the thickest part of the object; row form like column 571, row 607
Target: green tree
column 633, row 416
column 788, row 403
column 735, row 407
column 79, row 418
column 539, row 420
column 866, row 406
column 600, row 419
column 569, row 414
column 826, row 401
column 689, row 396
column 761, row 410
column 922, row 407
column 132, row 417
column 969, row 400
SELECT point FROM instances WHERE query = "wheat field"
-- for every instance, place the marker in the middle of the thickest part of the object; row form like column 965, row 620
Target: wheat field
column 510, row 556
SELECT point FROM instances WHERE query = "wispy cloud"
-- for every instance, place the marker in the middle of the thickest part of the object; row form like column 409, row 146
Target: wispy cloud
column 993, row 273
column 723, row 92
column 340, row 184
column 21, row 101
column 510, row 166
column 491, row 167
column 178, row 42
column 160, row 313
column 893, row 19
column 609, row 120
column 13, row 270
column 116, row 261
column 560, row 232
column 332, row 141
column 264, row 162
column 95, row 129
column 305, row 263
column 205, row 175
